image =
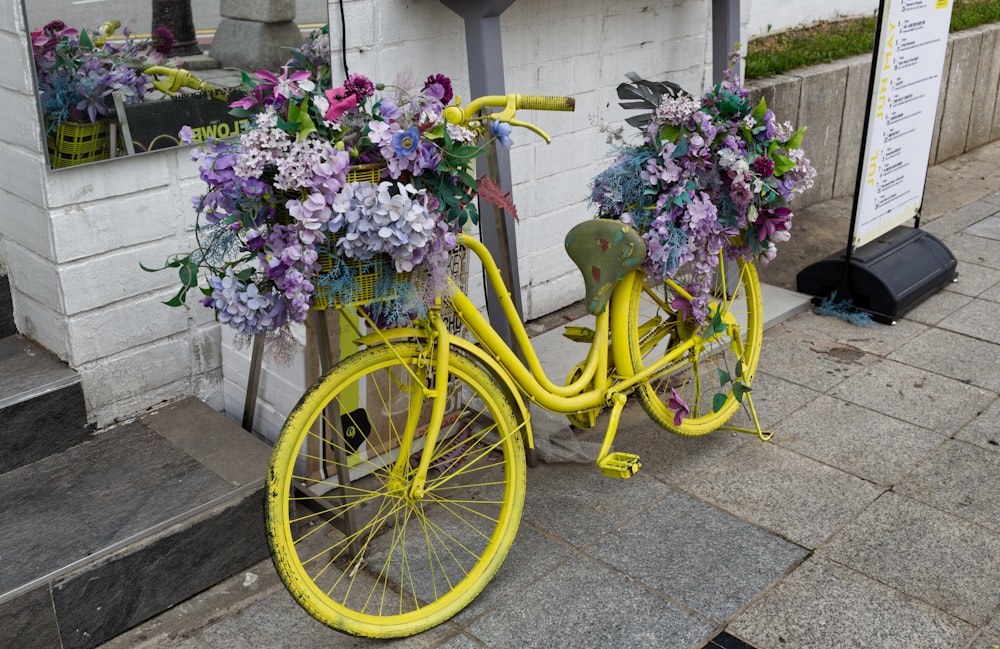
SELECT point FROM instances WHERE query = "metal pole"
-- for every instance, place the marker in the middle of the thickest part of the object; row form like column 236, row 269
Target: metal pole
column 725, row 34
column 485, row 54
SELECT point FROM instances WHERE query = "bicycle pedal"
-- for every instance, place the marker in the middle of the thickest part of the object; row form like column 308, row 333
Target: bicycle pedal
column 579, row 334
column 620, row 465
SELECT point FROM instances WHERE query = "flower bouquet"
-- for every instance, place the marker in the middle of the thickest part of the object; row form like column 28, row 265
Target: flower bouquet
column 348, row 195
column 712, row 174
column 77, row 72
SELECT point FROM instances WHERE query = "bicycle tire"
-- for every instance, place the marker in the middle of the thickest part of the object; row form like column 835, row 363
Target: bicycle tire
column 724, row 361
column 404, row 565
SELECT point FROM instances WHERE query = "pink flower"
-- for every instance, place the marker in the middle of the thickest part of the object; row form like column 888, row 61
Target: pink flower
column 340, row 103
column 681, row 409
column 286, row 86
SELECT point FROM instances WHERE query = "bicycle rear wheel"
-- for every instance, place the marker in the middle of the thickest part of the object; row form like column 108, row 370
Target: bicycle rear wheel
column 351, row 544
column 710, row 379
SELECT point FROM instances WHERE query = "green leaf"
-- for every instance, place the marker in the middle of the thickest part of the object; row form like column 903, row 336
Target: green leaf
column 682, row 148
column 189, row 275
column 782, row 164
column 669, row 133
column 718, row 401
column 739, row 390
column 739, row 368
column 85, row 41
column 760, row 109
column 177, row 300
column 795, row 142
column 724, row 377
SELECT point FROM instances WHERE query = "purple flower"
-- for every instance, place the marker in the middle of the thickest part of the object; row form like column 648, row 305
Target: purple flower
column 389, row 110
column 438, row 87
column 360, row 86
column 163, row 40
column 763, row 166
column 254, row 187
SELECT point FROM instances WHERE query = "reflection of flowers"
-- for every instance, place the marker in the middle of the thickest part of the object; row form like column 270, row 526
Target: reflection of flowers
column 78, row 70
column 711, row 174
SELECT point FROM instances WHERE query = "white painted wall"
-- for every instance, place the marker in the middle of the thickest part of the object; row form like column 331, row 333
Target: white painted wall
column 768, row 16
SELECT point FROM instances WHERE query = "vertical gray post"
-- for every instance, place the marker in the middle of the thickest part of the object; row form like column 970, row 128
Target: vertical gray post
column 725, row 34
column 485, row 54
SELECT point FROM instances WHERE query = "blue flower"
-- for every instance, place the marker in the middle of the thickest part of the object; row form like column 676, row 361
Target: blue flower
column 406, row 142
column 502, row 132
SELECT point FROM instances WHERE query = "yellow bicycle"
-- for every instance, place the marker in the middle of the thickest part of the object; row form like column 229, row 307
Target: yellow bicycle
column 397, row 483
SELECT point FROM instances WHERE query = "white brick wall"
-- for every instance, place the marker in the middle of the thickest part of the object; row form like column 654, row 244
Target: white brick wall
column 72, row 240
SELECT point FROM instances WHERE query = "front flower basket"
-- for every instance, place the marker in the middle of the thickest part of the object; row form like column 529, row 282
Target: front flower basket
column 74, row 143
column 354, row 282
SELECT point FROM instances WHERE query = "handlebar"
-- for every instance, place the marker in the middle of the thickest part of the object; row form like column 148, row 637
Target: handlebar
column 174, row 79
column 510, row 103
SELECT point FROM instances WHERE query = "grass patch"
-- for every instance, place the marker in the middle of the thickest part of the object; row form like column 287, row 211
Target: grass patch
column 828, row 41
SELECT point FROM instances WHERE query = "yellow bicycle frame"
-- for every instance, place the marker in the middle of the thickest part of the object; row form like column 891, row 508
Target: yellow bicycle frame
column 595, row 388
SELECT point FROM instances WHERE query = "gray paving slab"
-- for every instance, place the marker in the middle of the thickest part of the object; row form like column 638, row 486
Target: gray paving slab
column 959, row 219
column 278, row 622
column 960, row 479
column 532, row 556
column 980, row 251
column 984, row 429
column 931, row 312
column 958, row 356
column 878, row 340
column 783, row 492
column 671, row 458
column 577, row 503
column 978, row 319
column 809, row 357
column 583, row 604
column 867, row 444
column 915, row 395
column 988, row 228
column 947, row 562
column 774, row 399
column 975, row 280
column 824, row 605
column 697, row 555
column 986, row 641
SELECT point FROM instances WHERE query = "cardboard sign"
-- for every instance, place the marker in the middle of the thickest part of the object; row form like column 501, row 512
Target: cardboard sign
column 905, row 82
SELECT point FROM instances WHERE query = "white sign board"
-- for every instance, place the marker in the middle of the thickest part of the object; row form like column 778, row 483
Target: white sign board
column 906, row 80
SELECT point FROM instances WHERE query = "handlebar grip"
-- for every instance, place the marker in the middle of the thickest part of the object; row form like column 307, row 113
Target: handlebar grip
column 545, row 102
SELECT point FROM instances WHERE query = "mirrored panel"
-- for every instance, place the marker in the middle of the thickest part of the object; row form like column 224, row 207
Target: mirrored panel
column 113, row 82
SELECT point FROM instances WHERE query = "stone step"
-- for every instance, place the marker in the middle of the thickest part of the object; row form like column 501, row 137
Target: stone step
column 42, row 408
column 109, row 533
column 7, row 327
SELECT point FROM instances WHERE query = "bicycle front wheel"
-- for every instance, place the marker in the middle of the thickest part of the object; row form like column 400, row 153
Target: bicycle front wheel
column 348, row 538
column 704, row 386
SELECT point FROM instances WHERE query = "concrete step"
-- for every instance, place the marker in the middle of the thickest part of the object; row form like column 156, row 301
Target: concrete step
column 7, row 327
column 42, row 408
column 115, row 530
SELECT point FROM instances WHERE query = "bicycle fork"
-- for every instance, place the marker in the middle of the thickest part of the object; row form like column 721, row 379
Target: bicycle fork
column 438, row 394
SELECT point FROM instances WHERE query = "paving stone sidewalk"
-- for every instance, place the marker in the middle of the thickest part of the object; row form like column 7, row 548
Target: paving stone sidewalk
column 872, row 519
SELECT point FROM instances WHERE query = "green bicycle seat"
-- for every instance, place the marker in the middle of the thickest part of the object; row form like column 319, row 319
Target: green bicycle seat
column 605, row 251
